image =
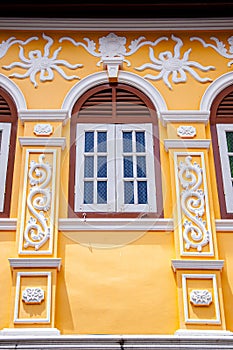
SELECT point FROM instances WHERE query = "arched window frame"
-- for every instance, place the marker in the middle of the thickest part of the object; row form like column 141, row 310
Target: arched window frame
column 220, row 126
column 8, row 128
column 136, row 121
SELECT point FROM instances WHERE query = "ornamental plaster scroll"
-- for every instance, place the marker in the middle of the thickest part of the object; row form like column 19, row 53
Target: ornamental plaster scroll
column 112, row 45
column 220, row 47
column 201, row 297
column 168, row 64
column 38, row 62
column 33, row 295
column 43, row 129
column 6, row 44
column 37, row 231
column 193, row 214
column 186, row 131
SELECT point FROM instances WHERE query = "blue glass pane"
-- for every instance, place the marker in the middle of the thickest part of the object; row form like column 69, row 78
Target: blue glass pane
column 89, row 166
column 127, row 141
column 101, row 141
column 89, row 141
column 128, row 166
column 229, row 136
column 141, row 166
column 142, row 192
column 102, row 192
column 128, row 192
column 88, row 192
column 102, row 166
column 140, row 141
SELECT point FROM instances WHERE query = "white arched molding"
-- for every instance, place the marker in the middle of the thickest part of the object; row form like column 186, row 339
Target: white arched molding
column 124, row 77
column 214, row 89
column 14, row 91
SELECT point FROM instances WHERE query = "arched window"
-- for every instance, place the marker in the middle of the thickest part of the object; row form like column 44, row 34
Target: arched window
column 221, row 120
column 114, row 154
column 8, row 129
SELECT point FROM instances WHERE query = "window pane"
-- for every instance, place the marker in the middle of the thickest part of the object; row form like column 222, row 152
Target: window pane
column 127, row 141
column 102, row 166
column 128, row 166
column 142, row 192
column 101, row 141
column 88, row 192
column 141, row 166
column 140, row 141
column 231, row 165
column 89, row 141
column 89, row 166
column 128, row 192
column 102, row 192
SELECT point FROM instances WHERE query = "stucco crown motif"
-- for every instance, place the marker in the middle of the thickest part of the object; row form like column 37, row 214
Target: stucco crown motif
column 112, row 46
column 38, row 62
column 33, row 295
column 200, row 297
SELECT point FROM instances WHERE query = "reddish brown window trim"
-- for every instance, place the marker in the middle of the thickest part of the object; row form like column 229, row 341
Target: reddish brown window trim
column 151, row 118
column 215, row 118
column 9, row 115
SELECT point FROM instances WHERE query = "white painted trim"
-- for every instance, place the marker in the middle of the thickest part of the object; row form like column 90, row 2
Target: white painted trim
column 35, row 263
column 202, row 333
column 184, row 116
column 8, row 224
column 224, row 225
column 214, row 89
column 197, row 265
column 123, row 77
column 29, row 332
column 14, row 91
column 87, row 24
column 42, row 141
column 32, row 320
column 186, row 144
column 38, row 115
column 189, row 320
column 117, row 224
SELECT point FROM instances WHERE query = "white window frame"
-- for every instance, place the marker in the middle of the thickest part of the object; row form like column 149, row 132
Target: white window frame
column 225, row 166
column 5, row 128
column 115, row 183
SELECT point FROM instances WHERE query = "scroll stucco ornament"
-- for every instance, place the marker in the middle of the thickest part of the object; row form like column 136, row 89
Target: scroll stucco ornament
column 113, row 45
column 38, row 62
column 6, row 44
column 195, row 233
column 33, row 295
column 220, row 46
column 172, row 64
column 43, row 129
column 37, row 231
column 186, row 131
column 200, row 297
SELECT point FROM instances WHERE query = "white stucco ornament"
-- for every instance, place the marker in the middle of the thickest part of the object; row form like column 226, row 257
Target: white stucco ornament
column 200, row 297
column 43, row 129
column 186, row 131
column 169, row 64
column 38, row 62
column 6, row 44
column 33, row 295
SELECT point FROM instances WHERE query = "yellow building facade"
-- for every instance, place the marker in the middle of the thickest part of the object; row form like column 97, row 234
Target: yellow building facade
column 116, row 215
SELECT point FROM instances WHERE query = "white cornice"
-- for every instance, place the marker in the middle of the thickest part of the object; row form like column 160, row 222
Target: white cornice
column 224, row 225
column 118, row 224
column 43, row 141
column 186, row 144
column 126, row 24
column 48, row 115
column 197, row 264
column 184, row 116
column 35, row 262
column 8, row 224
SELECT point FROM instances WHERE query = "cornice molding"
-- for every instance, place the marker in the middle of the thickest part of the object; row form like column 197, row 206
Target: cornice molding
column 197, row 264
column 186, row 144
column 8, row 224
column 38, row 115
column 118, row 224
column 35, row 262
column 126, row 24
column 43, row 141
column 184, row 116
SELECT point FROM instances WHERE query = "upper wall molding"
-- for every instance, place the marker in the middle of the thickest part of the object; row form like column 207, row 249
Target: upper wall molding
column 13, row 23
